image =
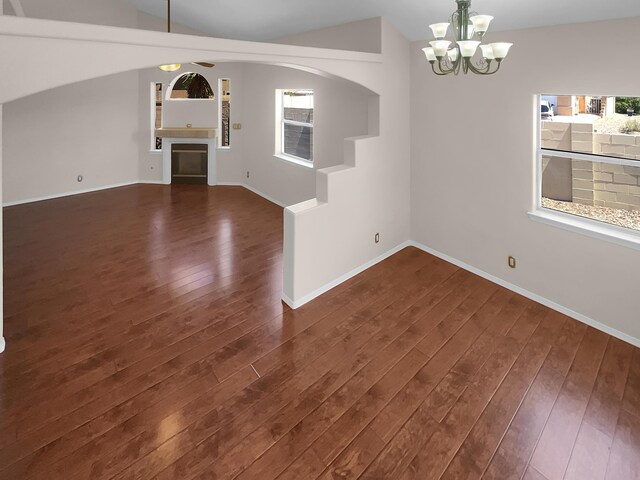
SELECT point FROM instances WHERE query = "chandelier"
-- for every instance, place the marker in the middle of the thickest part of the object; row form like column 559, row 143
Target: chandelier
column 465, row 25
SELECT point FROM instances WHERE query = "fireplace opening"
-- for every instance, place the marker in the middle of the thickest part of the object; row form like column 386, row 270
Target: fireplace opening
column 189, row 163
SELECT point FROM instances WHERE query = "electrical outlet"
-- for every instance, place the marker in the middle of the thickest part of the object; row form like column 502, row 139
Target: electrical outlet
column 237, row 126
column 377, row 238
column 511, row 261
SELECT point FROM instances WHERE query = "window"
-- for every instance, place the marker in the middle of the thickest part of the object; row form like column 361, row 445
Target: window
column 224, row 112
column 589, row 161
column 191, row 86
column 294, row 136
column 156, row 115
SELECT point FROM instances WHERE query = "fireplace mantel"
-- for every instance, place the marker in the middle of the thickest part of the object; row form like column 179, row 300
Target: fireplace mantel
column 212, row 143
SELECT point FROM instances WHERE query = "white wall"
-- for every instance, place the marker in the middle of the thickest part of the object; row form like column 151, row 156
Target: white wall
column 119, row 13
column 329, row 238
column 361, row 36
column 340, row 111
column 88, row 128
column 473, row 164
column 54, row 136
column 199, row 113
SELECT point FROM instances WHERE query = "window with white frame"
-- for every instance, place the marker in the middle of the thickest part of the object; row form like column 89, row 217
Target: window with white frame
column 156, row 116
column 294, row 124
column 589, row 161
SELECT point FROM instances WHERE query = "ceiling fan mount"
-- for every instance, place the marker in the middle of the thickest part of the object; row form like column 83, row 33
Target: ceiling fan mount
column 172, row 67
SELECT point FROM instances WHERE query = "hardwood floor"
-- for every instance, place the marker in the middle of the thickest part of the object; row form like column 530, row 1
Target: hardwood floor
column 146, row 339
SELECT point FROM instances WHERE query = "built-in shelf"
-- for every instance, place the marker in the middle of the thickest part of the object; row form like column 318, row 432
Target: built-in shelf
column 186, row 132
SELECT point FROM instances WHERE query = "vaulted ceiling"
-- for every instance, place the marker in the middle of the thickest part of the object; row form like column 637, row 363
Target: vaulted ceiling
column 268, row 19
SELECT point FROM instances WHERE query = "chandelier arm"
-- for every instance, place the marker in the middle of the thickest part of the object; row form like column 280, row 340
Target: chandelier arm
column 444, row 70
column 433, row 67
column 486, row 71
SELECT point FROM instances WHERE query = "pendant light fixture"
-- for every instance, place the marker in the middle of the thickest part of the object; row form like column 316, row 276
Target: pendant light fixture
column 465, row 25
column 173, row 67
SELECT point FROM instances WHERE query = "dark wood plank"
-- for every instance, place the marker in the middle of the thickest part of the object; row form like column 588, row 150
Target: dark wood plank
column 439, row 446
column 518, row 443
column 553, row 451
column 590, row 454
column 625, row 461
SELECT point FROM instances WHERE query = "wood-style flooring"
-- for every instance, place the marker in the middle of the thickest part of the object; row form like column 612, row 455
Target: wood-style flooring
column 146, row 339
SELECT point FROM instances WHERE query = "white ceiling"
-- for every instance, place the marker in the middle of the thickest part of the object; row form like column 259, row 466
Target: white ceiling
column 268, row 19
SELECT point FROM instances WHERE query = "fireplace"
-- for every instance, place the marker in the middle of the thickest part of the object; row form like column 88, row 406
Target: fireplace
column 189, row 163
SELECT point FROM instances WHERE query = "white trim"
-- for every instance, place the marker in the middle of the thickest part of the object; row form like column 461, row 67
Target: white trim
column 264, row 195
column 151, row 182
column 3, row 344
column 589, row 157
column 230, row 184
column 68, row 194
column 334, row 283
column 296, row 123
column 532, row 296
column 254, row 190
column 586, row 226
column 292, row 159
column 143, row 182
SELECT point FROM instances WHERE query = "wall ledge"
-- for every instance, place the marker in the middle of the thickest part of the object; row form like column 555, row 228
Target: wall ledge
column 586, row 226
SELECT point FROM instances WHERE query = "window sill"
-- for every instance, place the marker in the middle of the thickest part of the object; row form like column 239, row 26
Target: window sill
column 585, row 226
column 294, row 160
column 223, row 148
column 155, row 151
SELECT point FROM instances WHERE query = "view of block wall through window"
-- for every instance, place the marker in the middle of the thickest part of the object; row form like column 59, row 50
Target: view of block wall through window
column 225, row 112
column 590, row 157
column 156, row 120
column 297, row 124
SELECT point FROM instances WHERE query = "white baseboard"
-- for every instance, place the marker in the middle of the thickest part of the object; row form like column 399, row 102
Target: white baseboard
column 254, row 190
column 264, row 195
column 2, row 344
column 67, row 194
column 530, row 295
column 334, row 283
column 144, row 182
column 151, row 182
